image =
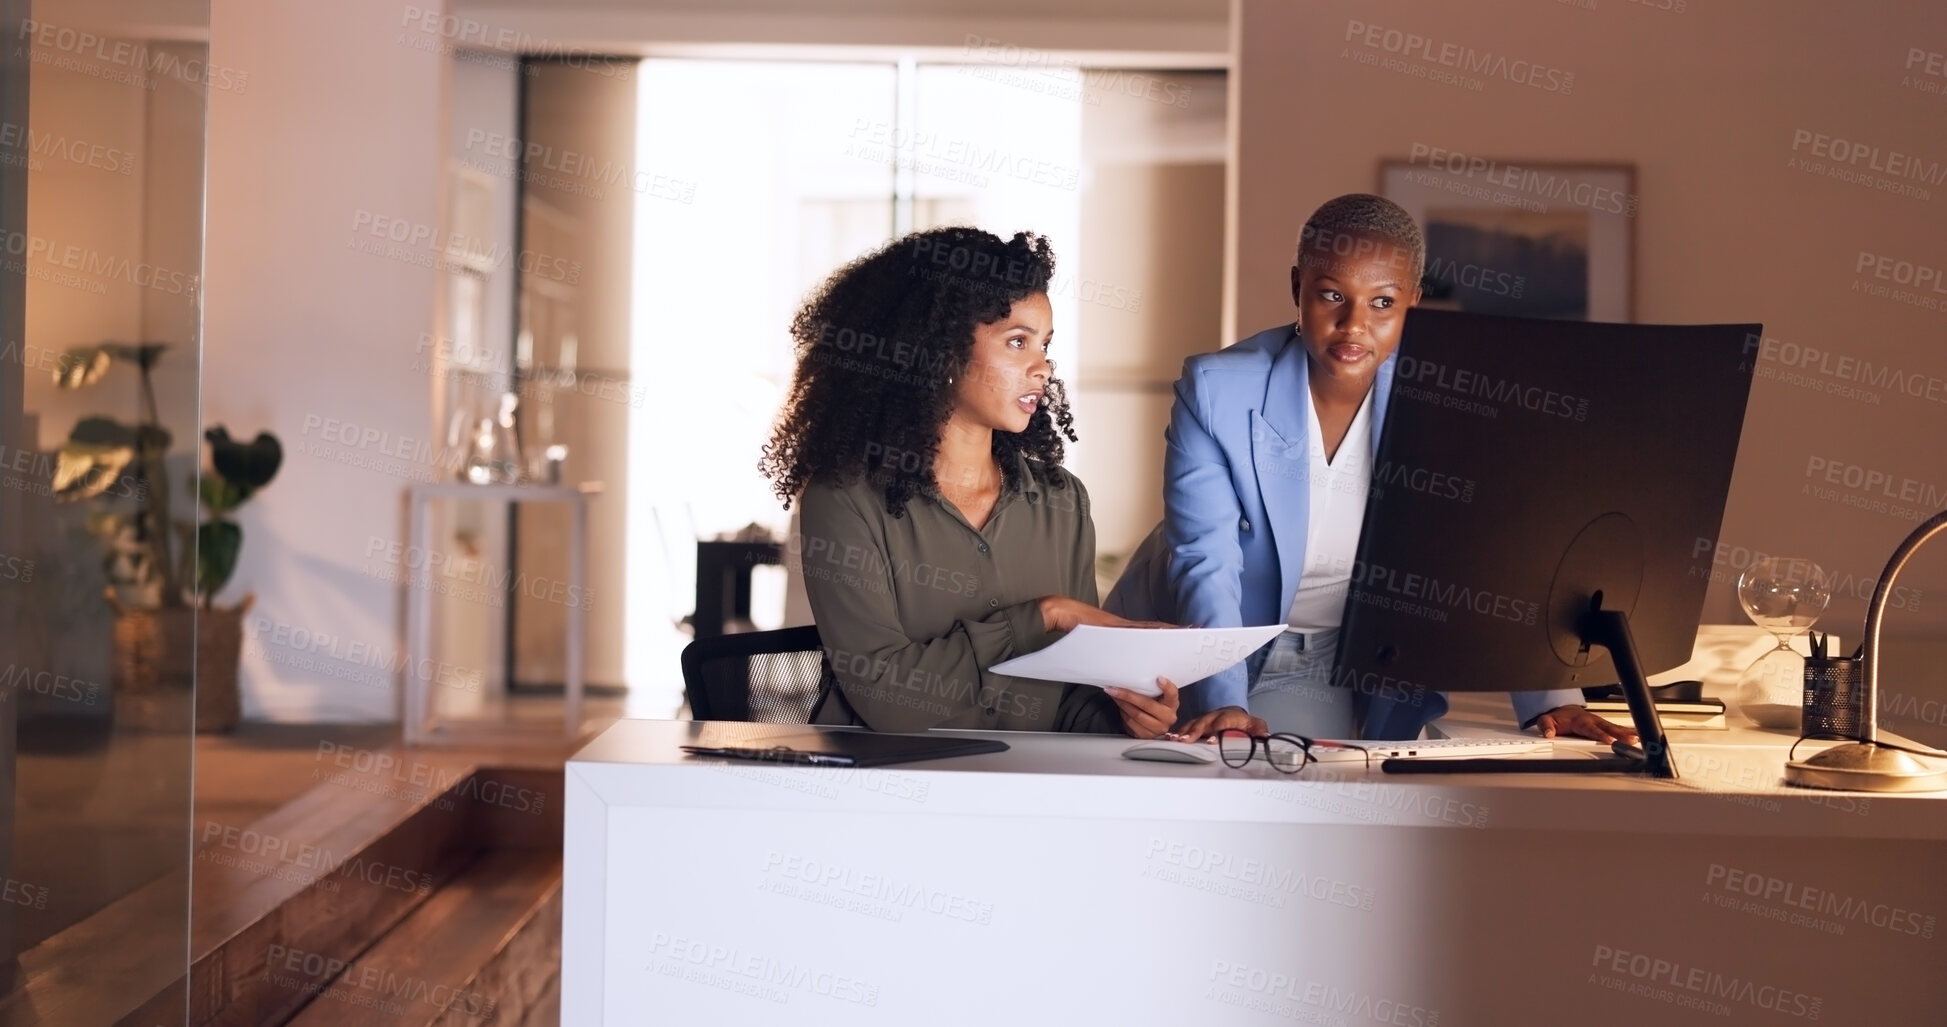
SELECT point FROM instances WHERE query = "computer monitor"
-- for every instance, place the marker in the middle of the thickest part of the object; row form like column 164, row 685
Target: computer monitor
column 1545, row 492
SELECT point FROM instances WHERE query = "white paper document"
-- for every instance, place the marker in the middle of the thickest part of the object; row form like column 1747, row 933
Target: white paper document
column 1133, row 658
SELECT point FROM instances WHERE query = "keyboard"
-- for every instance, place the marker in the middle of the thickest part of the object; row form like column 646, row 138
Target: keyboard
column 1330, row 751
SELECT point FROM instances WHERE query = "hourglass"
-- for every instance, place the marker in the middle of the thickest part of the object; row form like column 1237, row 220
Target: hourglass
column 1784, row 595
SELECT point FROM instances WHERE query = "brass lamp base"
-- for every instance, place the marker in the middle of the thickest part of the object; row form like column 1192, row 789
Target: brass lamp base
column 1866, row 767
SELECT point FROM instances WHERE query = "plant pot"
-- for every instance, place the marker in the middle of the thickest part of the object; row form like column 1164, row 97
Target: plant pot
column 164, row 657
column 219, row 645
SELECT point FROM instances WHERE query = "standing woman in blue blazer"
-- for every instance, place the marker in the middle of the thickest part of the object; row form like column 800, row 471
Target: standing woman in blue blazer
column 1270, row 451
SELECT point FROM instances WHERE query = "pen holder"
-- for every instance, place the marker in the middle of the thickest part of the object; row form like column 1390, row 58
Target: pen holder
column 1834, row 689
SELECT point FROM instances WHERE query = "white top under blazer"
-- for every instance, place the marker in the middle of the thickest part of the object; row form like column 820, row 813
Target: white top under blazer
column 1338, row 508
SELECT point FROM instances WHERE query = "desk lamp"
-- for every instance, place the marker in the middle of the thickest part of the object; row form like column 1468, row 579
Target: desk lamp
column 1869, row 765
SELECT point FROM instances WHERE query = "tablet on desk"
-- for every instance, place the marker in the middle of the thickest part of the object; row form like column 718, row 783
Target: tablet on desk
column 839, row 748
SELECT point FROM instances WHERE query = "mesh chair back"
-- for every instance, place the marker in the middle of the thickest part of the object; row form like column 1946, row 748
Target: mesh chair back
column 770, row 677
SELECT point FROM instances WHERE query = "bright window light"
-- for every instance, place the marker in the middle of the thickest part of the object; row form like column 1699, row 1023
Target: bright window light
column 799, row 167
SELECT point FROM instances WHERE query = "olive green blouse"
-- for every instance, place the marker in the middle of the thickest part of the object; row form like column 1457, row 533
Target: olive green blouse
column 912, row 610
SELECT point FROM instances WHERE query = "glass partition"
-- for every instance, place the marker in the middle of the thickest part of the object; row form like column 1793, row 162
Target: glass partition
column 102, row 114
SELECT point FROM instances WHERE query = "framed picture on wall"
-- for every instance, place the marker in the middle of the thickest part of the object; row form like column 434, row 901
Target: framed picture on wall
column 1521, row 238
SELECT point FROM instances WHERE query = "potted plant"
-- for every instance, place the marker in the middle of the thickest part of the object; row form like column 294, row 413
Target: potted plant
column 107, row 460
column 168, row 638
column 120, row 467
column 238, row 470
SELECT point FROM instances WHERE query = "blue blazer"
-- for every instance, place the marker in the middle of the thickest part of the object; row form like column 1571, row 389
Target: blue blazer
column 1236, row 503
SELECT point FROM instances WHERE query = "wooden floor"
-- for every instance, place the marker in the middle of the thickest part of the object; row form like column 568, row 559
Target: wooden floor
column 246, row 773
column 104, row 816
column 243, row 775
column 101, row 812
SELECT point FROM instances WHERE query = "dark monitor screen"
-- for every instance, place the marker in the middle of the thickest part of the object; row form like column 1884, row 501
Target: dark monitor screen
column 1527, row 470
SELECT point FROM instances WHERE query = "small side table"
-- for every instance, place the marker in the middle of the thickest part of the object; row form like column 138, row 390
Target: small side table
column 418, row 712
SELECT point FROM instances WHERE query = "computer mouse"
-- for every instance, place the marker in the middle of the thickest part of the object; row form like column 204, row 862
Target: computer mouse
column 1171, row 752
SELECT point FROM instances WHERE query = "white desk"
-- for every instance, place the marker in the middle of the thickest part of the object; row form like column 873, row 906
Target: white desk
column 1059, row 884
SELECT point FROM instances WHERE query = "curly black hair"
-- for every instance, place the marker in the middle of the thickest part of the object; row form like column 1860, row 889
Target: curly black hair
column 878, row 345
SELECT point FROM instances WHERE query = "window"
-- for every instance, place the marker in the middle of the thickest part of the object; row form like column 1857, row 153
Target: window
column 797, row 168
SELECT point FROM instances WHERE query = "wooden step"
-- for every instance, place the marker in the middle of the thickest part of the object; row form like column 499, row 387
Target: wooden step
column 484, row 948
column 331, row 872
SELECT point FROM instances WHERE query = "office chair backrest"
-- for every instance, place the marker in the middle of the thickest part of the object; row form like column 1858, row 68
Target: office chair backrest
column 769, row 677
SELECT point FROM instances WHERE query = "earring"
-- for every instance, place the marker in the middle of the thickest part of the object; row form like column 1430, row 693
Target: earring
column 949, row 379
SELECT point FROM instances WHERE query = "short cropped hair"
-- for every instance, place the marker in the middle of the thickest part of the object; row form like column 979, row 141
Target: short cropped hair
column 1346, row 228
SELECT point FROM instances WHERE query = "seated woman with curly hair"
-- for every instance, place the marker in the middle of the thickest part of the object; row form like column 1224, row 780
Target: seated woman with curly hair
column 939, row 533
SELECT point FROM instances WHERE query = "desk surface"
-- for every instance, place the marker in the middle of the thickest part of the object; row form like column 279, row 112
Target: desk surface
column 1060, row 883
column 1730, row 784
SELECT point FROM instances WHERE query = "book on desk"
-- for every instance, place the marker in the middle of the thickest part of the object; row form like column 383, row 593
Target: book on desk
column 1679, row 704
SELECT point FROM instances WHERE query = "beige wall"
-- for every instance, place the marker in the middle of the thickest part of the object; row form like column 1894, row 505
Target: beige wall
column 172, row 224
column 1150, row 285
column 342, row 122
column 72, row 204
column 1705, row 103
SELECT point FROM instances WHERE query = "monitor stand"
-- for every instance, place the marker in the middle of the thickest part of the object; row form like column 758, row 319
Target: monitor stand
column 1610, row 630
